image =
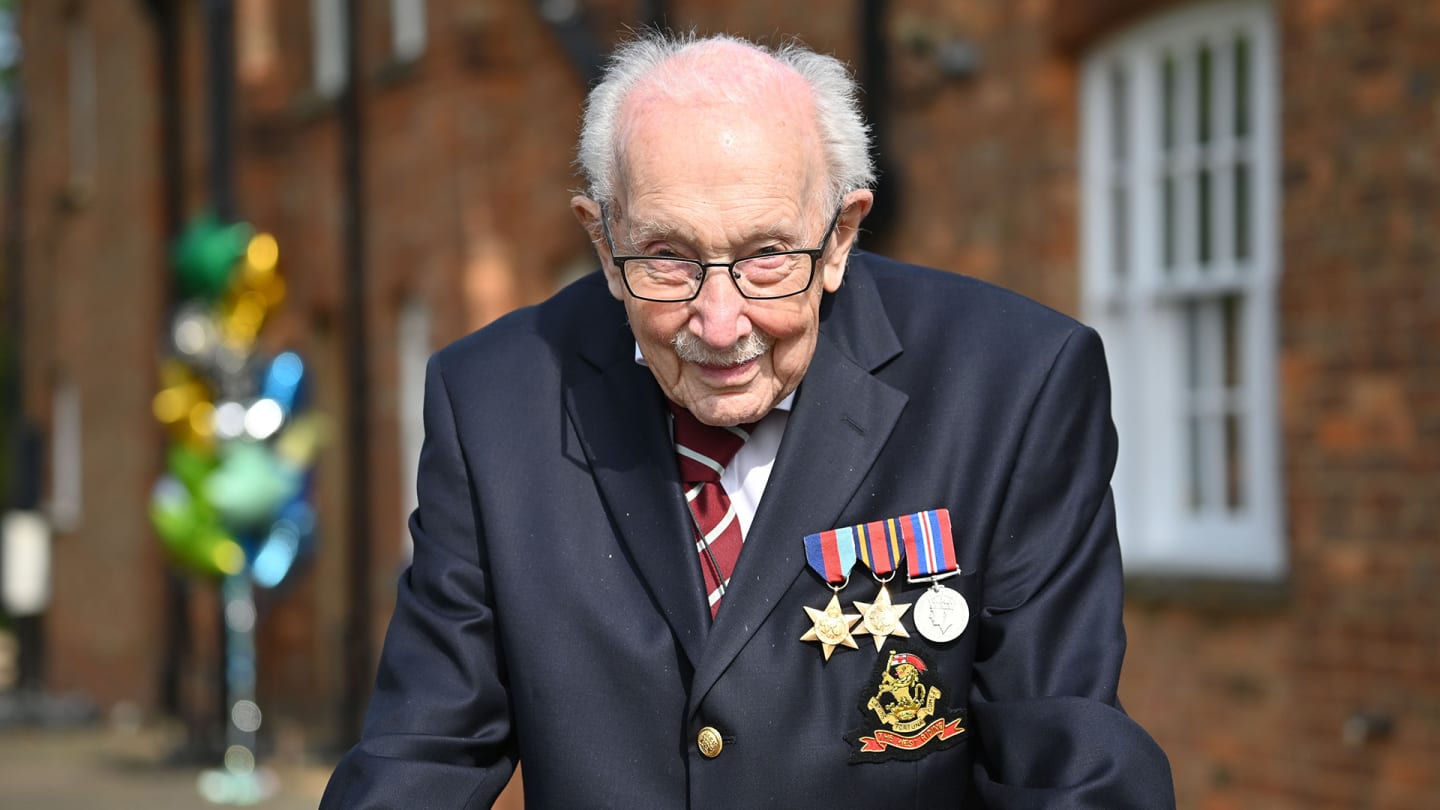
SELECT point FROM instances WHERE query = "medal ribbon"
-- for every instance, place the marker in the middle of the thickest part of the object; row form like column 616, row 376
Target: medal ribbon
column 930, row 549
column 880, row 544
column 831, row 554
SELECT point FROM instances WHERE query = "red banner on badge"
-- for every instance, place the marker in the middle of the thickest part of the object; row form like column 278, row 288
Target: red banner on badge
column 939, row 729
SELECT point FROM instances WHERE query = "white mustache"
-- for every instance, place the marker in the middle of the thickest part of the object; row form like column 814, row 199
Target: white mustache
column 692, row 350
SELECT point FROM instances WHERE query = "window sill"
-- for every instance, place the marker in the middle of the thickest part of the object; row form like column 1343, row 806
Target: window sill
column 1208, row 594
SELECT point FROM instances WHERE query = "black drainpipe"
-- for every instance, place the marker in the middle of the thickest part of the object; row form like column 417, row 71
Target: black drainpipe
column 220, row 71
column 874, row 77
column 166, row 18
column 359, row 669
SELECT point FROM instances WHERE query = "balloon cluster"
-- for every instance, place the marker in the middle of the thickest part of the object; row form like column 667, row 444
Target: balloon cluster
column 234, row 497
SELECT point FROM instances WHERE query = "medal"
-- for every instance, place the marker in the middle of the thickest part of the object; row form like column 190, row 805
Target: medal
column 831, row 554
column 879, row 546
column 941, row 613
column 832, row 626
column 881, row 618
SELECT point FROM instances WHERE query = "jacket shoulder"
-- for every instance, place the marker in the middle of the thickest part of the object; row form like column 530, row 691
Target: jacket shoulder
column 541, row 334
column 912, row 292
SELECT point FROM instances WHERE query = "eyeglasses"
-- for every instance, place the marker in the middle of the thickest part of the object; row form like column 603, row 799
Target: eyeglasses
column 765, row 276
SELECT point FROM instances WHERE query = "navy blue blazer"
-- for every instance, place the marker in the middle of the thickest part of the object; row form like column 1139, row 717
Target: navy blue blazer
column 554, row 613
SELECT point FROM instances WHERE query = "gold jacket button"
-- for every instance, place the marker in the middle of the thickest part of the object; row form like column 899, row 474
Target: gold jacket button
column 709, row 742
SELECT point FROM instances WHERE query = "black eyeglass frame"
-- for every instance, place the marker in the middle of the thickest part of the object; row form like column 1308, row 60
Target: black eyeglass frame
column 814, row 253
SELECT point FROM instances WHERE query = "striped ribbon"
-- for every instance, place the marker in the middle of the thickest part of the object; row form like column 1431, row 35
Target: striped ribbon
column 930, row 550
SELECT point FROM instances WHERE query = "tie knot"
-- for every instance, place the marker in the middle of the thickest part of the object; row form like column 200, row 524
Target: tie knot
column 704, row 450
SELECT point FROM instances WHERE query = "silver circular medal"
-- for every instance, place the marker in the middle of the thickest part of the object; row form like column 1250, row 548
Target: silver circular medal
column 941, row 614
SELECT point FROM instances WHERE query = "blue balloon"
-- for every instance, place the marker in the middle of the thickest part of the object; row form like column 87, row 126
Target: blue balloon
column 283, row 381
column 288, row 540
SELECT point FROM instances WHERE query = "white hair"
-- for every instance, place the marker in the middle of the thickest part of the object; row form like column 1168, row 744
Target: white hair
column 844, row 135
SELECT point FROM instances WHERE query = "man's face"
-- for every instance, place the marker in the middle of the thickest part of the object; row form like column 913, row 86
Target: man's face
column 713, row 183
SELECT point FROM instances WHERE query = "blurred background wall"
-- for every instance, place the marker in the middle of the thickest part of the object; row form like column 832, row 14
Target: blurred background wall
column 1242, row 195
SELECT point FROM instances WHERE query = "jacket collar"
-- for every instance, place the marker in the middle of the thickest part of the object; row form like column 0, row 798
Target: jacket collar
column 842, row 417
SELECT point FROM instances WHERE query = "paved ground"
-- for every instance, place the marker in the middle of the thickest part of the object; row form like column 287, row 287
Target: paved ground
column 107, row 769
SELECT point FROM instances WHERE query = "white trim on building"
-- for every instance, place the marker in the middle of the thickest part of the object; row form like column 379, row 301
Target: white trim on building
column 1179, row 265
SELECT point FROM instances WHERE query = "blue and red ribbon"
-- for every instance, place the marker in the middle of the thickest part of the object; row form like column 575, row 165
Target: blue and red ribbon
column 921, row 538
column 880, row 545
column 831, row 554
column 930, row 550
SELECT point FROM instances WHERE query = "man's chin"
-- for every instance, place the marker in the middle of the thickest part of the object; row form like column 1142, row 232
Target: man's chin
column 724, row 409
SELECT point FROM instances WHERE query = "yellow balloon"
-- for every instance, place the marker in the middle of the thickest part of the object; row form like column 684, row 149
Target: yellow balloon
column 173, row 373
column 201, row 419
column 263, row 253
column 229, row 557
column 299, row 443
column 273, row 290
column 170, row 405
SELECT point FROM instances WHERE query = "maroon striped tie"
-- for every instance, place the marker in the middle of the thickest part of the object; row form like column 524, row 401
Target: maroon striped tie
column 703, row 452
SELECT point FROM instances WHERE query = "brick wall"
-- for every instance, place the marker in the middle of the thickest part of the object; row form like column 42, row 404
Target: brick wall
column 467, row 183
column 93, row 302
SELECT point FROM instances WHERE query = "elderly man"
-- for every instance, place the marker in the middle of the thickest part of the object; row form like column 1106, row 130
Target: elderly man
column 685, row 526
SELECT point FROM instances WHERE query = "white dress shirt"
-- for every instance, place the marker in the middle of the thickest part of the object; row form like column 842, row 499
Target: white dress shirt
column 748, row 473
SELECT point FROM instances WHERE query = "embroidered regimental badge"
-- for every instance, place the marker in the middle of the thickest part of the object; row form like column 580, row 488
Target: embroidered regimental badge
column 903, row 701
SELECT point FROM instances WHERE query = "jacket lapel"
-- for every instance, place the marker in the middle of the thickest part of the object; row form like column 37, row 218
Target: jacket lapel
column 842, row 418
column 618, row 412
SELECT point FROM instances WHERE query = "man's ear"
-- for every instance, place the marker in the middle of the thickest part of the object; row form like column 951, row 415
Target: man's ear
column 588, row 212
column 853, row 209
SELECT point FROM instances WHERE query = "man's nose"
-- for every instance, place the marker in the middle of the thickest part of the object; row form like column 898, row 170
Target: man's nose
column 718, row 312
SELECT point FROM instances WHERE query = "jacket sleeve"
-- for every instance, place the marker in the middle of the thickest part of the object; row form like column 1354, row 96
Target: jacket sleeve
column 438, row 732
column 1050, row 729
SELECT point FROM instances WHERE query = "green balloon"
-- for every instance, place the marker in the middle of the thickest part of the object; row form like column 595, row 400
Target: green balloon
column 206, row 256
column 249, row 486
column 172, row 512
column 188, row 530
column 189, row 466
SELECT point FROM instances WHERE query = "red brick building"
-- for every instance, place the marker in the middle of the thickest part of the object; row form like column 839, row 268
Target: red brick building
column 1240, row 194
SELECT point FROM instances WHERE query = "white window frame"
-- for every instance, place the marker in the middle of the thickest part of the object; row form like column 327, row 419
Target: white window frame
column 407, row 29
column 413, row 328
column 330, row 69
column 84, row 98
column 1161, row 309
column 67, row 456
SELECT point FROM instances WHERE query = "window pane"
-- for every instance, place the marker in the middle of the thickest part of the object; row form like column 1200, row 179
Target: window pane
column 1242, row 87
column 1202, row 97
column 1193, row 346
column 327, row 21
column 1234, row 464
column 1119, row 119
column 1242, row 212
column 1194, row 447
column 1230, row 308
column 1167, row 103
column 1119, row 229
column 84, row 126
column 408, row 32
column 1167, row 221
column 1202, row 203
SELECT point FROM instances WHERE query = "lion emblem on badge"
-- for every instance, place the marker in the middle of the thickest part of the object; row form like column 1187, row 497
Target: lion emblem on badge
column 903, row 700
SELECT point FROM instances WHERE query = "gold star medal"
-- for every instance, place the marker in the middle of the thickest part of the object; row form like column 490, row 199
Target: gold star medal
column 831, row 554
column 880, row 545
column 832, row 626
column 881, row 618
